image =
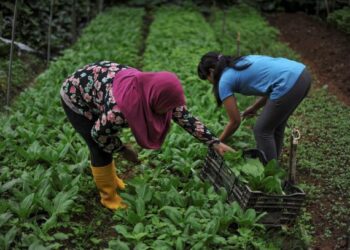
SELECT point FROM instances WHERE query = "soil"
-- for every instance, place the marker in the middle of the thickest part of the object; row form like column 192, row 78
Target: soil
column 323, row 48
column 147, row 21
column 327, row 53
column 35, row 66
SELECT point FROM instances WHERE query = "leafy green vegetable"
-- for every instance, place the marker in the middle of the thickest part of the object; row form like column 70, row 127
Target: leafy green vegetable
column 267, row 179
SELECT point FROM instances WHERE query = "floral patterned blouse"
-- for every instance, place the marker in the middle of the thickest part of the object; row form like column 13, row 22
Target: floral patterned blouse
column 88, row 92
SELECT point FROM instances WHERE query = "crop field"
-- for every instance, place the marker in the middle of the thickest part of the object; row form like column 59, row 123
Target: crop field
column 48, row 199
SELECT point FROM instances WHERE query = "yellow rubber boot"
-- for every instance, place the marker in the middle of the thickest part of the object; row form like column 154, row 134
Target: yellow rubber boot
column 119, row 183
column 104, row 178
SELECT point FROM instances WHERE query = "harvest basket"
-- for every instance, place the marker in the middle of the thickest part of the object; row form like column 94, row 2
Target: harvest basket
column 280, row 209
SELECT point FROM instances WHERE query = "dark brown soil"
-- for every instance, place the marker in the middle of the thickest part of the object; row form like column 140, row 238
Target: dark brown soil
column 33, row 67
column 327, row 52
column 322, row 47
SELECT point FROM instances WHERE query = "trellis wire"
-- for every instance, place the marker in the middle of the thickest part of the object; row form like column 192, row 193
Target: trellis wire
column 9, row 77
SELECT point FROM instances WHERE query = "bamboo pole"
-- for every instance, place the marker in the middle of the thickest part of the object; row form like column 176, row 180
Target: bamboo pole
column 49, row 32
column 9, row 77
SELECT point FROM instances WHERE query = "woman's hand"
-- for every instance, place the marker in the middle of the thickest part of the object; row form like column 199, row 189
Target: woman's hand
column 221, row 148
column 252, row 109
column 129, row 154
column 249, row 112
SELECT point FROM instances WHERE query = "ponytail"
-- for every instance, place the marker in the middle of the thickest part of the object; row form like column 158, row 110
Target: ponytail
column 218, row 62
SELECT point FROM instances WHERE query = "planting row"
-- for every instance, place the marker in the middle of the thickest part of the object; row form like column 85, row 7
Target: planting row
column 169, row 206
column 41, row 157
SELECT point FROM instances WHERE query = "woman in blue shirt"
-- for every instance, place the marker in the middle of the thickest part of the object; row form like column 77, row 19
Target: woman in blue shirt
column 280, row 83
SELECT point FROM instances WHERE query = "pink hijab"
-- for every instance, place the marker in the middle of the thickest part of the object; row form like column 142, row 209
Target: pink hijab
column 138, row 94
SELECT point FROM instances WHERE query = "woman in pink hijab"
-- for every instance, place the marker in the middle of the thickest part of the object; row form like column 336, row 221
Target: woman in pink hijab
column 102, row 98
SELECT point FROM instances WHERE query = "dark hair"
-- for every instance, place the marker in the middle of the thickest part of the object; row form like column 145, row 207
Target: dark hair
column 218, row 62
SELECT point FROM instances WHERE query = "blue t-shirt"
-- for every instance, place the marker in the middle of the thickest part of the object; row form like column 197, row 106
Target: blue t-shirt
column 266, row 76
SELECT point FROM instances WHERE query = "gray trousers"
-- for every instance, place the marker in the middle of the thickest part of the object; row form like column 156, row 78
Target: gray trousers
column 270, row 126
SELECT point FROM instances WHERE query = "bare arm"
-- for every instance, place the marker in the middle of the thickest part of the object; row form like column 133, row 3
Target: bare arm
column 252, row 109
column 233, row 114
column 260, row 102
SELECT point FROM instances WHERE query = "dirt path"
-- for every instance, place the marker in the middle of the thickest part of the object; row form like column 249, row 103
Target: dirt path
column 327, row 52
column 324, row 49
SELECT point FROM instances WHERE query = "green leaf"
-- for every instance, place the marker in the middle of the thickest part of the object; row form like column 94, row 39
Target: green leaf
column 50, row 223
column 213, row 226
column 34, row 150
column 64, row 151
column 273, row 185
column 232, row 157
column 118, row 245
column 138, row 237
column 37, row 246
column 132, row 217
column 199, row 245
column 8, row 185
column 95, row 241
column 180, row 245
column 143, row 192
column 173, row 214
column 141, row 246
column 161, row 245
column 10, row 236
column 25, row 207
column 195, row 224
column 219, row 240
column 64, row 200
column 123, row 231
column 253, row 168
column 140, row 208
column 272, row 169
column 176, row 198
column 250, row 214
column 139, row 228
column 4, row 218
column 61, row 236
